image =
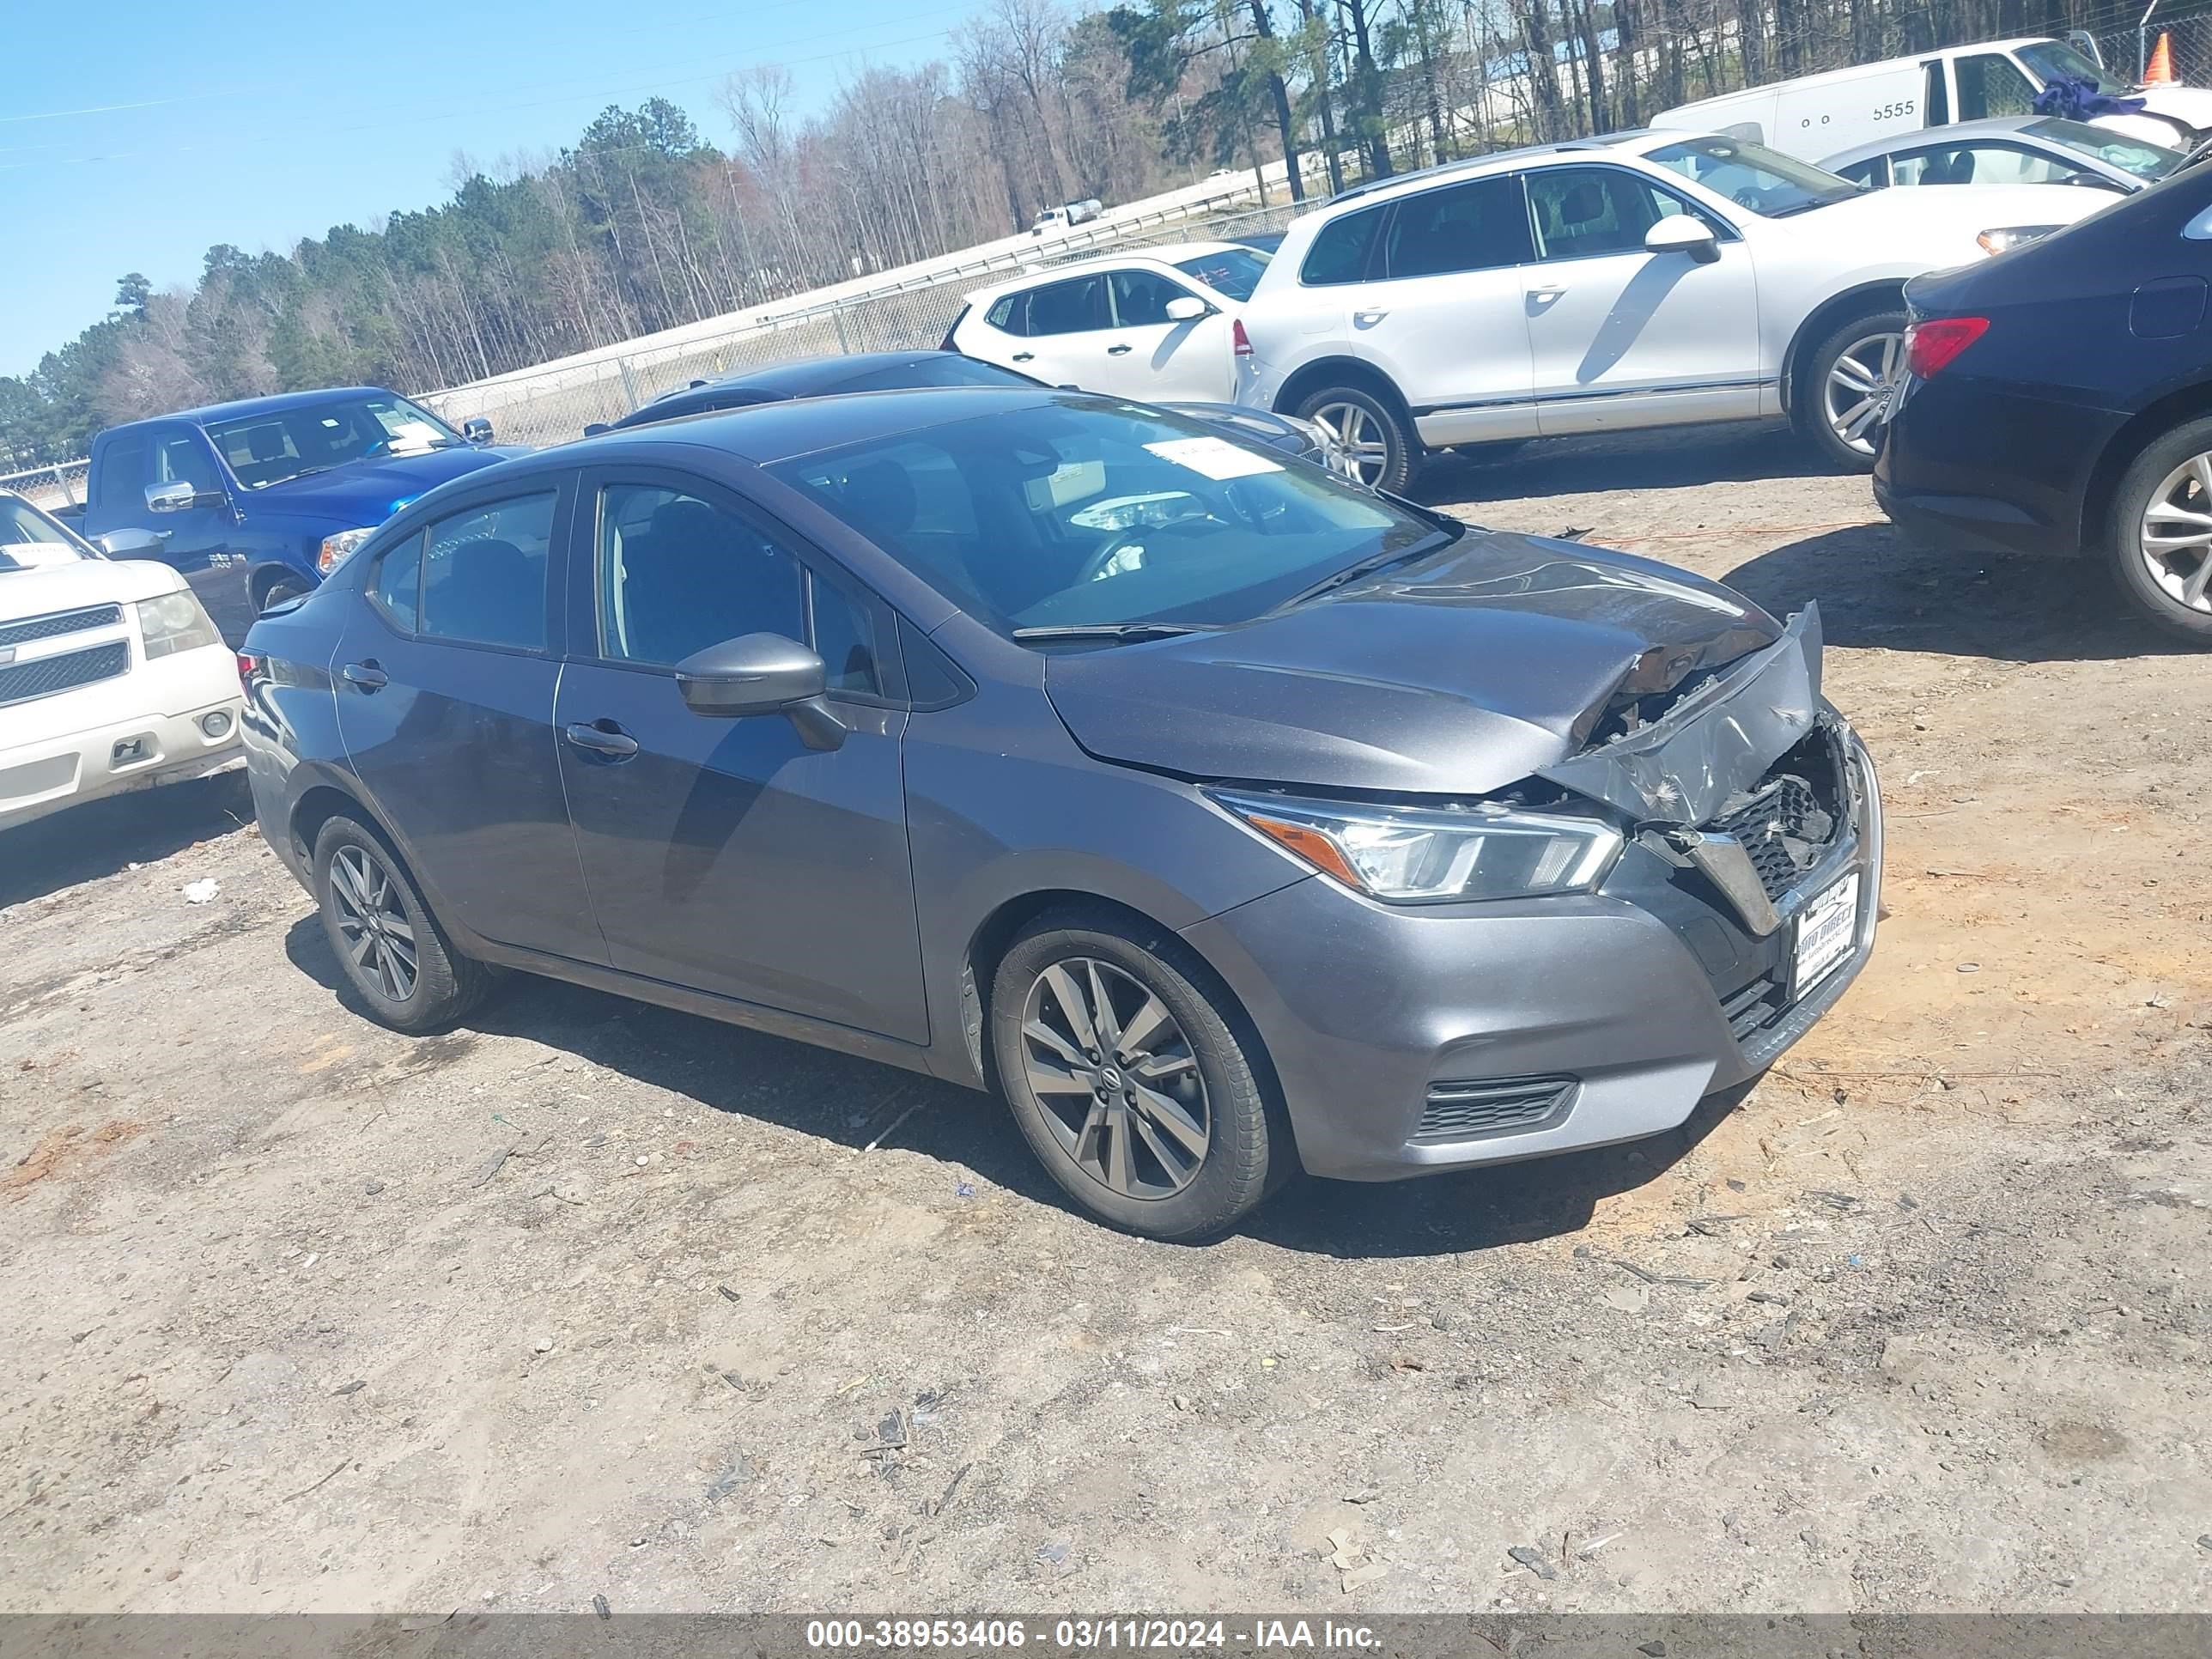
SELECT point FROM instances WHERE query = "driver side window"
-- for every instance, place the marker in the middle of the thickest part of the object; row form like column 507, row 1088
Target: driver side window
column 1990, row 85
column 1584, row 212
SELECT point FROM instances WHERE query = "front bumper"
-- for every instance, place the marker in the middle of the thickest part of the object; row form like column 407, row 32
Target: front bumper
column 1617, row 995
column 118, row 755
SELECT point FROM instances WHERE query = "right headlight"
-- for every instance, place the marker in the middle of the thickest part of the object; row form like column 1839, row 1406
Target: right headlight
column 2006, row 238
column 1426, row 855
column 337, row 550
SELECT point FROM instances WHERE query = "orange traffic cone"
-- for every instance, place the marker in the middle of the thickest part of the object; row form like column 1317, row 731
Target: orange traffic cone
column 2159, row 71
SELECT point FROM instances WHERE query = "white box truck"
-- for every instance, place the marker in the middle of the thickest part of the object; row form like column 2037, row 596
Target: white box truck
column 1817, row 115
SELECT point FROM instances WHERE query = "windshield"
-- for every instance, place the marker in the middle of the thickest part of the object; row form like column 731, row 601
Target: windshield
column 28, row 537
column 1751, row 175
column 2146, row 161
column 1086, row 513
column 2052, row 60
column 939, row 369
column 291, row 443
column 1232, row 271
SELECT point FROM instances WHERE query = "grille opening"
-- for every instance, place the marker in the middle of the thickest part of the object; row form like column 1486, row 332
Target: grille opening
column 62, row 621
column 22, row 681
column 1492, row 1106
column 1791, row 816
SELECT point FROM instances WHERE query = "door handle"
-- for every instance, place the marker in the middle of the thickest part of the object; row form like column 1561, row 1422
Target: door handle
column 603, row 737
column 1023, row 356
column 365, row 675
column 1372, row 316
column 1546, row 293
column 1117, row 351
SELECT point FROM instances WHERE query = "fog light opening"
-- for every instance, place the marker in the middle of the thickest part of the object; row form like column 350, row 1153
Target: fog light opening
column 217, row 724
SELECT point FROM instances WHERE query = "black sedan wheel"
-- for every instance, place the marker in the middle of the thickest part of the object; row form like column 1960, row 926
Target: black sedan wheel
column 391, row 950
column 2160, row 536
column 1127, row 1080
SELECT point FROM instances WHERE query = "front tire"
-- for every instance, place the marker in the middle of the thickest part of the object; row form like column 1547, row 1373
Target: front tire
column 284, row 589
column 1123, row 1067
column 1379, row 440
column 389, row 946
column 2159, row 540
column 1848, row 382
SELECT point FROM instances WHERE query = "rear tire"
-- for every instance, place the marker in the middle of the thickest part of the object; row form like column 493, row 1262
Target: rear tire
column 391, row 949
column 1833, row 402
column 2164, row 564
column 1381, row 439
column 1169, row 1132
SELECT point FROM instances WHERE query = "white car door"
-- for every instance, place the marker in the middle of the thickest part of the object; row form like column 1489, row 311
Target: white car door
column 1431, row 297
column 1620, row 336
column 1146, row 354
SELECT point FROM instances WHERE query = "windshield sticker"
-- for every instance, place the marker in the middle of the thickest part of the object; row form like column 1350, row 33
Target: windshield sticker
column 25, row 555
column 1213, row 458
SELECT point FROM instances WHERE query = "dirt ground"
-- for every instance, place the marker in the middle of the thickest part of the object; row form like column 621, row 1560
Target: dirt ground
column 592, row 1299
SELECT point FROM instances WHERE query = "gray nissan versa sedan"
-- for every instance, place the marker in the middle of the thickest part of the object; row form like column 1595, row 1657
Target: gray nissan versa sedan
column 1225, row 818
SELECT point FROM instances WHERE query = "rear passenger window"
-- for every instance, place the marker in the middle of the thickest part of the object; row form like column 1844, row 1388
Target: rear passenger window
column 1075, row 307
column 1010, row 313
column 1478, row 226
column 1343, row 251
column 397, row 585
column 483, row 574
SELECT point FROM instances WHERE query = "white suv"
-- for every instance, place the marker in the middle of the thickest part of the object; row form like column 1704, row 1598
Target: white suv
column 112, row 676
column 1648, row 279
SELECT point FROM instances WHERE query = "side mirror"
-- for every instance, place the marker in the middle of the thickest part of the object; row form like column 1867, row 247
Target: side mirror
column 1186, row 308
column 1683, row 233
column 476, row 429
column 179, row 496
column 139, row 543
column 761, row 674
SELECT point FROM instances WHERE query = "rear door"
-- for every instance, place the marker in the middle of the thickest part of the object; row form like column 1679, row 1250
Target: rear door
column 1440, row 308
column 1622, row 337
column 1146, row 355
column 444, row 678
column 726, row 855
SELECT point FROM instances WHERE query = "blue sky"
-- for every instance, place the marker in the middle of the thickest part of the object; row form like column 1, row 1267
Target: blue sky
column 134, row 137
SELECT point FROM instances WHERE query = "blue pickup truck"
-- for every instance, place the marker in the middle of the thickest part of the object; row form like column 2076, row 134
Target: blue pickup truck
column 280, row 488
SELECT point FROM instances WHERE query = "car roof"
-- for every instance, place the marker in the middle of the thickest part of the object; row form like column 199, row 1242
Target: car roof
column 2008, row 126
column 1879, row 66
column 279, row 404
column 802, row 377
column 1164, row 254
column 1631, row 141
column 766, row 434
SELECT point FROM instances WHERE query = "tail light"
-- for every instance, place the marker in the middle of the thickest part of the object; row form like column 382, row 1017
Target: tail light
column 1930, row 344
column 1242, row 341
column 252, row 667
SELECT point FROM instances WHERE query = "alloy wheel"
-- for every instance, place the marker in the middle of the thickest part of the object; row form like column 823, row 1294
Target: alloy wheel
column 1359, row 435
column 1861, row 383
column 2175, row 538
column 1116, row 1079
column 378, row 938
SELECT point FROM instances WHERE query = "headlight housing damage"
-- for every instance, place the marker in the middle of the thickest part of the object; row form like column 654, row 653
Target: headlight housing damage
column 1427, row 855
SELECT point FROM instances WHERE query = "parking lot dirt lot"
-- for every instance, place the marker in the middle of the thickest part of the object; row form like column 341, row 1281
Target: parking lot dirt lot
column 587, row 1298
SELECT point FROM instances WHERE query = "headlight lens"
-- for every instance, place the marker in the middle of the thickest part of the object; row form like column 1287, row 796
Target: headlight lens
column 2007, row 237
column 174, row 622
column 336, row 548
column 1417, row 855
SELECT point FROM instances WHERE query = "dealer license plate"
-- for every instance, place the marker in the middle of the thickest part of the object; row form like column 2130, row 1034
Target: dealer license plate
column 1825, row 929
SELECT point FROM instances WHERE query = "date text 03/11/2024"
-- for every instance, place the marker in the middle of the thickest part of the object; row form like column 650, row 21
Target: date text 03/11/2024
column 1083, row 1635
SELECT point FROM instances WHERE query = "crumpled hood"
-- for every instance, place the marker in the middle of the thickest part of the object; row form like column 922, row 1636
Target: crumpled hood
column 364, row 492
column 1489, row 661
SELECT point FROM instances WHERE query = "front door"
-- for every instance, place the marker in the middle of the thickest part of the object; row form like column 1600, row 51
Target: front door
column 726, row 855
column 1620, row 336
column 1440, row 312
column 197, row 540
column 444, row 678
column 1147, row 355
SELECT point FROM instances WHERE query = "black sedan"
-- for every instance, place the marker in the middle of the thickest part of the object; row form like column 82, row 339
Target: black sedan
column 913, row 371
column 2059, row 400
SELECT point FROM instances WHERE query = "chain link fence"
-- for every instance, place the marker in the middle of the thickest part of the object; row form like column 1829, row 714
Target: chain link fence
column 49, row 487
column 556, row 406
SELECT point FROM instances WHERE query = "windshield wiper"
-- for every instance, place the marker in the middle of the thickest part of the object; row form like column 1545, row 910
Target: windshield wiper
column 1119, row 632
column 1369, row 566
